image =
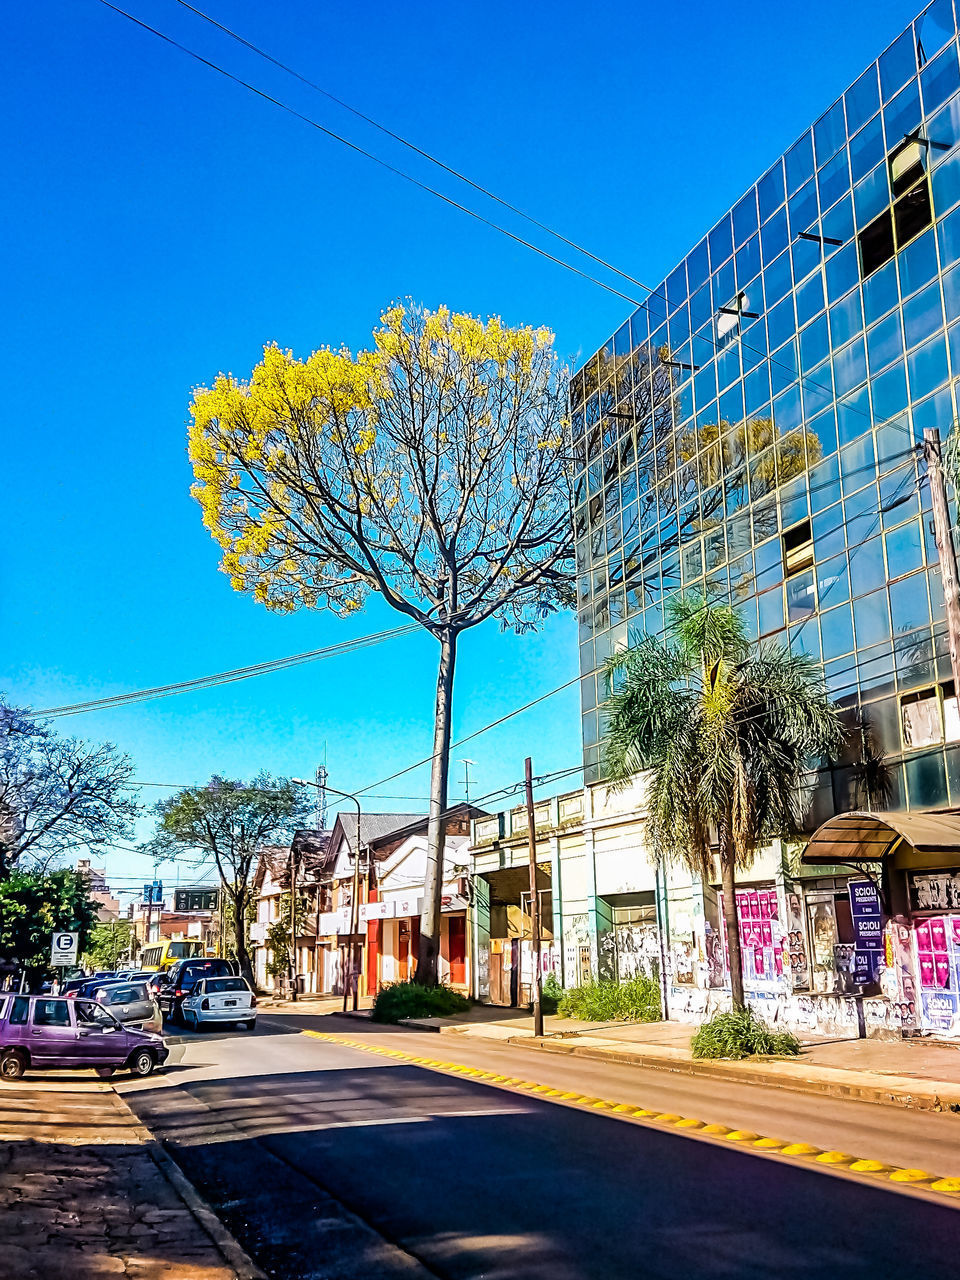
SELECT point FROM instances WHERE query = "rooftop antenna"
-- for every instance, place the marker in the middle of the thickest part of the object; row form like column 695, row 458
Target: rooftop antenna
column 466, row 777
column 321, row 812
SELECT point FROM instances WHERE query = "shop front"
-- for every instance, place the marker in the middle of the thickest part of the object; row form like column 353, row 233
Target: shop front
column 510, row 961
column 902, row 934
column 395, row 918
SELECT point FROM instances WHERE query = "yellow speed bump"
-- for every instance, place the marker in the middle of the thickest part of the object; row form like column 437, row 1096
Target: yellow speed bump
column 912, row 1175
column 872, row 1169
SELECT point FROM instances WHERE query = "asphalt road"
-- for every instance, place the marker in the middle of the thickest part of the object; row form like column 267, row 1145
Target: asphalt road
column 326, row 1161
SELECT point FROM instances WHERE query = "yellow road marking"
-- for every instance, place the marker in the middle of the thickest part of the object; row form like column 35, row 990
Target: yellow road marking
column 798, row 1150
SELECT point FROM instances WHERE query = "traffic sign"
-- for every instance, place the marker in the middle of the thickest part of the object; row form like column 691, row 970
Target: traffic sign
column 64, row 948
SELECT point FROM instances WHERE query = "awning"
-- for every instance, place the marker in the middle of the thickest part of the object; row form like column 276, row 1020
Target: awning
column 911, row 840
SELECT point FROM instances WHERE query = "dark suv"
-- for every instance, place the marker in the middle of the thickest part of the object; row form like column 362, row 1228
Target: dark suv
column 182, row 977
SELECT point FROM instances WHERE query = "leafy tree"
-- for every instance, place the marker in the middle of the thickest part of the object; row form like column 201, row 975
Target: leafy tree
column 226, row 823
column 57, row 793
column 431, row 470
column 34, row 906
column 727, row 730
column 109, row 942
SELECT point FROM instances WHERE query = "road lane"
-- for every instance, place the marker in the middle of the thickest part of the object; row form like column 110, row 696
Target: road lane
column 469, row 1180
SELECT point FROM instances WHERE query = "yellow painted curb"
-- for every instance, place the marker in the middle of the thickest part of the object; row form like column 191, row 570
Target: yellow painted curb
column 797, row 1150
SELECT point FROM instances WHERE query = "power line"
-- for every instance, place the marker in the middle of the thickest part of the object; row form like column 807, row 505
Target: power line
column 412, row 146
column 228, row 677
column 485, row 191
column 369, row 155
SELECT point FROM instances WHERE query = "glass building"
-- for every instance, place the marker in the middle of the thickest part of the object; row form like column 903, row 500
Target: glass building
column 751, row 432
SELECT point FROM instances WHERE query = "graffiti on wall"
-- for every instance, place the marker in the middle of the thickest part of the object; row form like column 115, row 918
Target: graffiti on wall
column 814, row 1014
column 629, row 951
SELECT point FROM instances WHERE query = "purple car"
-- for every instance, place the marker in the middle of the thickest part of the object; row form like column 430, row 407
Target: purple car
column 54, row 1032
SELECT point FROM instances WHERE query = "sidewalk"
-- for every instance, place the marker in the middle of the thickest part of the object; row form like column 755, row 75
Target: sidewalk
column 906, row 1073
column 82, row 1194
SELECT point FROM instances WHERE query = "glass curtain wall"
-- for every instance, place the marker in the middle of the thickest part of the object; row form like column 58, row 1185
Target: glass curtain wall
column 751, row 431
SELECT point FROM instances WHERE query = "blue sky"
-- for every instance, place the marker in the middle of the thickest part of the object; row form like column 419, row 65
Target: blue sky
column 161, row 224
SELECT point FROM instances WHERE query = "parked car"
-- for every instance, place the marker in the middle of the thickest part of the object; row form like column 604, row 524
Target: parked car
column 53, row 1032
column 86, row 986
column 183, row 977
column 131, row 1003
column 220, row 1000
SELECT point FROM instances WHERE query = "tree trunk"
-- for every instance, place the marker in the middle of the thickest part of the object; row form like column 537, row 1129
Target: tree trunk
column 240, row 936
column 428, row 955
column 728, row 880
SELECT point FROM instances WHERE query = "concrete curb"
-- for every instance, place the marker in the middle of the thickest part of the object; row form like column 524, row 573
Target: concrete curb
column 231, row 1252
column 234, row 1254
column 919, row 1099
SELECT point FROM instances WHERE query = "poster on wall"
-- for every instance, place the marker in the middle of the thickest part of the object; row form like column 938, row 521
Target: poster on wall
column 761, row 935
column 866, row 915
column 937, row 943
column 796, row 947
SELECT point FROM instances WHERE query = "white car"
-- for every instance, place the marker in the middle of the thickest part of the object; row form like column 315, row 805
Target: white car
column 221, row 1000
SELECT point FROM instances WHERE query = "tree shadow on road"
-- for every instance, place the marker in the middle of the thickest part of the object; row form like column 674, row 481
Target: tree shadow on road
column 475, row 1180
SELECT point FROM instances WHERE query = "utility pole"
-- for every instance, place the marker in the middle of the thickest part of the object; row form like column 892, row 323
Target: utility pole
column 945, row 549
column 355, row 952
column 534, row 903
column 293, row 925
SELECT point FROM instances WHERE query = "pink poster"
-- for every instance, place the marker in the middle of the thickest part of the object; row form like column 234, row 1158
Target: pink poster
column 938, row 934
column 927, row 970
column 941, row 965
column 923, row 935
column 778, row 961
column 766, row 933
column 764, row 902
column 774, row 905
column 758, row 961
column 754, row 904
column 955, row 922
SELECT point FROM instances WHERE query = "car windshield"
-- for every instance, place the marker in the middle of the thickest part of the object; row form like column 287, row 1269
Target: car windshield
column 215, row 985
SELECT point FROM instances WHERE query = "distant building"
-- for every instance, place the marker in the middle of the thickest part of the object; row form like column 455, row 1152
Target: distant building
column 108, row 907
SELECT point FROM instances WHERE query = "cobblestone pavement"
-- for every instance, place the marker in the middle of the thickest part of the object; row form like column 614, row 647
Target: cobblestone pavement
column 81, row 1197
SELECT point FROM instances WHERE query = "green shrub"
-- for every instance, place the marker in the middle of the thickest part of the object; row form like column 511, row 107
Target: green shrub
column 604, row 1000
column 552, row 994
column 401, row 1000
column 741, row 1034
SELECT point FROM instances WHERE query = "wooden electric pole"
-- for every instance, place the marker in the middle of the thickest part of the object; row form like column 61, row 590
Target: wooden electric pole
column 534, row 903
column 945, row 547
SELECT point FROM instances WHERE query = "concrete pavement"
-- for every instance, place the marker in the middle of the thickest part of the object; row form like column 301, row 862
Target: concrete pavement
column 460, row 1179
column 81, row 1196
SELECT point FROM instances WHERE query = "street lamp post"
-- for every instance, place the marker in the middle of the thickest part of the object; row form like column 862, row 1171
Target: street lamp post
column 355, row 904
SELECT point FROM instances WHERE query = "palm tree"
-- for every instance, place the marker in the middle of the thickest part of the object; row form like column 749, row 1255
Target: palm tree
column 727, row 730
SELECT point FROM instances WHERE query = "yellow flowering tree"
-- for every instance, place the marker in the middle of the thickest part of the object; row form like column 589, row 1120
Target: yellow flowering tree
column 431, row 470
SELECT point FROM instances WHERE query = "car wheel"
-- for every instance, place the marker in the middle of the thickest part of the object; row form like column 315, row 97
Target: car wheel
column 142, row 1062
column 250, row 1025
column 12, row 1065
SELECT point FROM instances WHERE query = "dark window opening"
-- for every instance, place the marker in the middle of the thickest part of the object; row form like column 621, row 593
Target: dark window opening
column 876, row 244
column 798, row 547
column 912, row 213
